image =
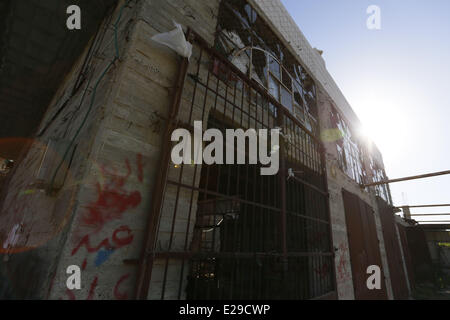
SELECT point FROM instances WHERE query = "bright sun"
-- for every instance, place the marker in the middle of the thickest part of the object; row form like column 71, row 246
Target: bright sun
column 382, row 120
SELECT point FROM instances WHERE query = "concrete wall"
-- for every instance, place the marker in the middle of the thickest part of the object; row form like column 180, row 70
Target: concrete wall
column 128, row 147
column 48, row 223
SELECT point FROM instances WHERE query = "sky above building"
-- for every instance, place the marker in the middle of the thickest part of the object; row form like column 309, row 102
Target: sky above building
column 396, row 80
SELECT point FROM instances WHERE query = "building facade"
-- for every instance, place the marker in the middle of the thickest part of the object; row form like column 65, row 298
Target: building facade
column 97, row 189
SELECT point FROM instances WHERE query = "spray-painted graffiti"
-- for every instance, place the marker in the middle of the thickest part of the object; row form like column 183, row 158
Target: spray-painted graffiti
column 24, row 202
column 117, row 294
column 121, row 237
column 112, row 202
column 92, row 288
column 343, row 273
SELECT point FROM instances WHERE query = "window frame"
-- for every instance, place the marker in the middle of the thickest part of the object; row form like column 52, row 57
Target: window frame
column 308, row 118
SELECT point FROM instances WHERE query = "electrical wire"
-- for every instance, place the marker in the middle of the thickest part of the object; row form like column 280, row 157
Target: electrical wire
column 94, row 92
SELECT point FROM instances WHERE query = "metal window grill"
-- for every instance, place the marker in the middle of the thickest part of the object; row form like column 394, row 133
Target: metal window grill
column 245, row 39
column 225, row 231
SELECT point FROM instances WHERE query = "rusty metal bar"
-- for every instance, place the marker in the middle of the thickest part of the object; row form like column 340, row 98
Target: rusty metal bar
column 444, row 221
column 426, row 206
column 208, row 192
column 423, row 176
column 309, row 185
column 429, row 214
column 146, row 258
column 282, row 176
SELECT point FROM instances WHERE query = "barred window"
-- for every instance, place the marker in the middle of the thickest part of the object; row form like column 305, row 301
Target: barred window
column 350, row 155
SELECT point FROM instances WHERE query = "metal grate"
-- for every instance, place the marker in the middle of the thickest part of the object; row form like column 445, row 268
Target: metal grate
column 227, row 232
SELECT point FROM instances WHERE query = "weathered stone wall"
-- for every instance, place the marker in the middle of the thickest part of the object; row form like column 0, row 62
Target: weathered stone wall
column 46, row 222
column 128, row 146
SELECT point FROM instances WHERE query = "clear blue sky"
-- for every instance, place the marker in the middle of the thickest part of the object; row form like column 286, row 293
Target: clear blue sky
column 397, row 81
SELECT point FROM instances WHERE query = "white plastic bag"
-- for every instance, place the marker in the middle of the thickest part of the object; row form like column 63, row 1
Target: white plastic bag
column 175, row 40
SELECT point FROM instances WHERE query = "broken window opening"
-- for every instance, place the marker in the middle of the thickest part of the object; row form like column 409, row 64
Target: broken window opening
column 378, row 174
column 247, row 41
column 350, row 154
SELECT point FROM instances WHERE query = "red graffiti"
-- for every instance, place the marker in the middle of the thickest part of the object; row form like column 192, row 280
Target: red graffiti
column 342, row 272
column 117, row 240
column 83, row 266
column 70, row 294
column 122, row 241
column 92, row 288
column 85, row 242
column 113, row 200
column 118, row 295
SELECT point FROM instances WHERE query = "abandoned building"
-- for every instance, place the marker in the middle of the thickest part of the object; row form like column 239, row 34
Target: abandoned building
column 87, row 180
